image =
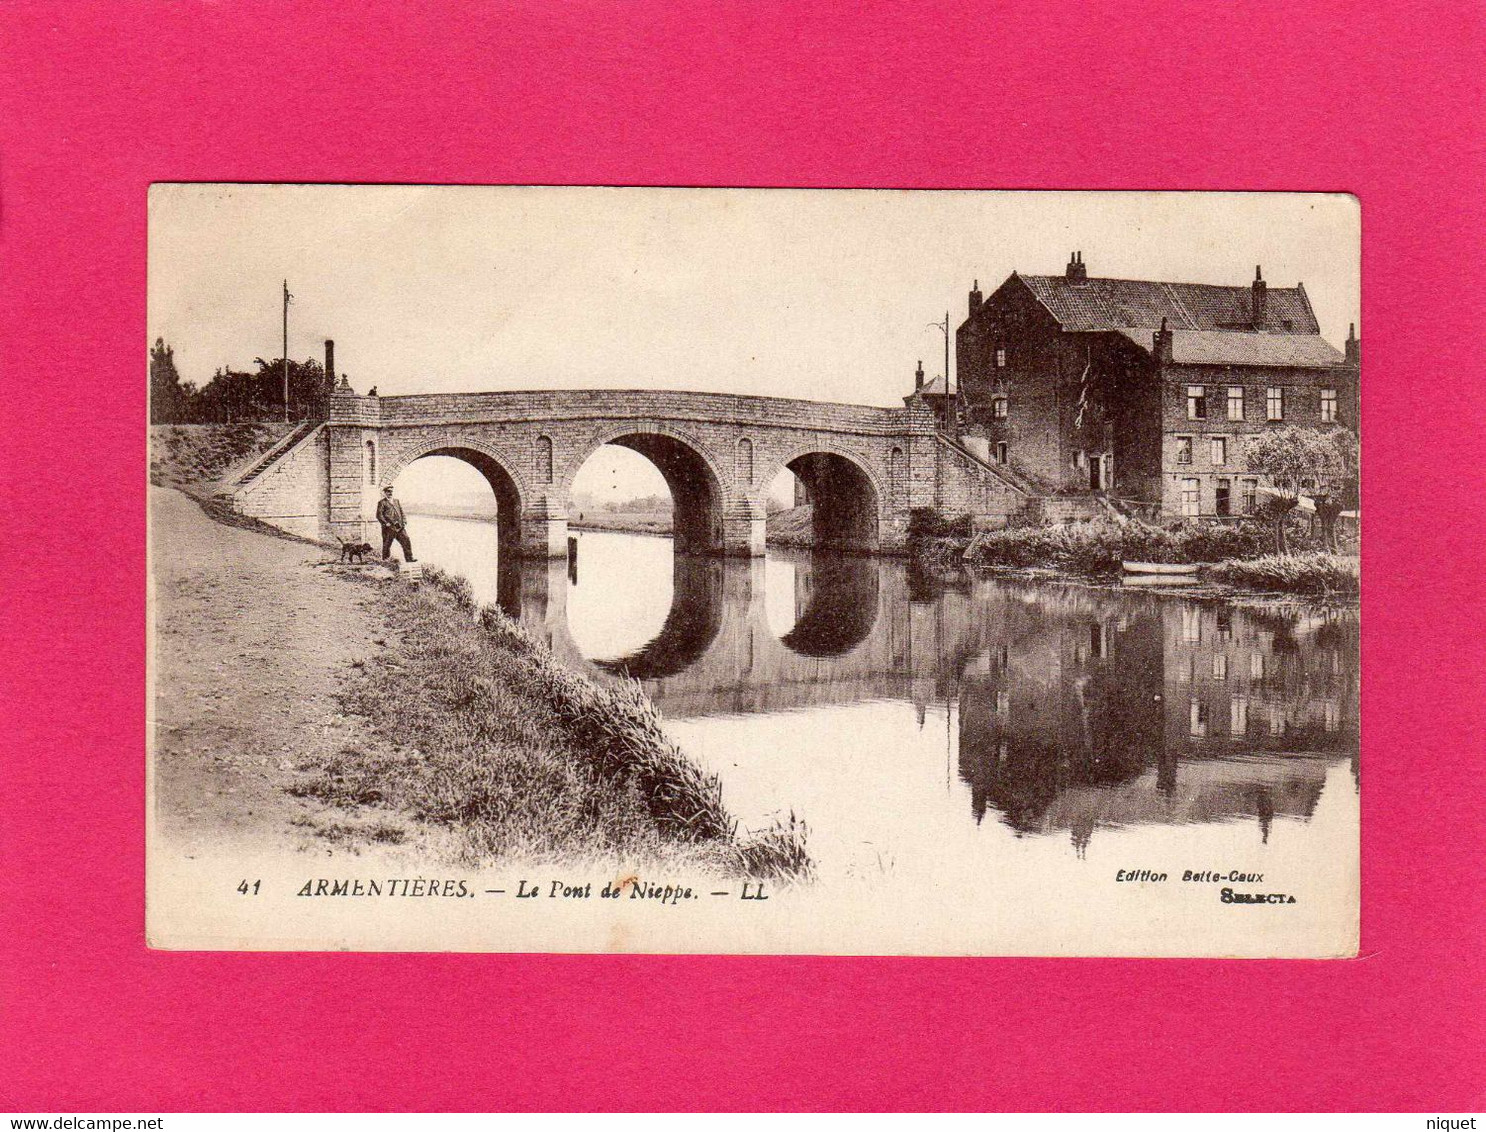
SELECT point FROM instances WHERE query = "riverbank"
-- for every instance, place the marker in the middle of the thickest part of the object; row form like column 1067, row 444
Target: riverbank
column 789, row 528
column 626, row 522
column 1229, row 558
column 332, row 709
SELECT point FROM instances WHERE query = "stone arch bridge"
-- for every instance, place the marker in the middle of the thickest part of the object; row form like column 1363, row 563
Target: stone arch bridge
column 865, row 468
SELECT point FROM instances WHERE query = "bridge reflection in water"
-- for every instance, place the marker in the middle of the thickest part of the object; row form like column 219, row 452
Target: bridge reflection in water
column 1063, row 709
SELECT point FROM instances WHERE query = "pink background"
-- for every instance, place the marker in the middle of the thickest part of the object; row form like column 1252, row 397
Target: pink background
column 97, row 100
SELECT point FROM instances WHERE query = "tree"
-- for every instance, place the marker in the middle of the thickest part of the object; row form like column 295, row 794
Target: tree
column 170, row 401
column 234, row 395
column 1299, row 461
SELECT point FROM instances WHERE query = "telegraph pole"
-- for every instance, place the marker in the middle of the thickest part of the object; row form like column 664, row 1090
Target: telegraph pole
column 944, row 326
column 287, row 299
column 949, row 412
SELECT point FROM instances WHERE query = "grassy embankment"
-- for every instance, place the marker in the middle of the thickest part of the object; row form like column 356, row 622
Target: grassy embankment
column 1231, row 555
column 484, row 732
column 481, row 732
column 193, row 457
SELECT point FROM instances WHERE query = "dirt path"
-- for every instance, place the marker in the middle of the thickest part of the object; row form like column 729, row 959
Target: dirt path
column 254, row 637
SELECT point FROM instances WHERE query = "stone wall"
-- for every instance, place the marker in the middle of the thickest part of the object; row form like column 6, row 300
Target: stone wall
column 291, row 492
column 967, row 487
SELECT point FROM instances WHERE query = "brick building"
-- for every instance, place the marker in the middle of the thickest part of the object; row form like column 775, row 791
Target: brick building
column 1144, row 390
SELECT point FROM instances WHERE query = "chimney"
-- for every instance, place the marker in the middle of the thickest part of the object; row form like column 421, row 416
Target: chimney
column 1075, row 269
column 918, row 376
column 975, row 297
column 1260, row 299
column 1353, row 346
column 1161, row 343
column 329, row 362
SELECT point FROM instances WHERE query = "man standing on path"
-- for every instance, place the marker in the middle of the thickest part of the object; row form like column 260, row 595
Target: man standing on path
column 394, row 526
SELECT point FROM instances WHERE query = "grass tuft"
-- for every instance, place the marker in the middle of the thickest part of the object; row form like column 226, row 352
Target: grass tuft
column 1312, row 573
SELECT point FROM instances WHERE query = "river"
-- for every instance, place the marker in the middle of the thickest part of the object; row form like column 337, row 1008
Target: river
column 936, row 732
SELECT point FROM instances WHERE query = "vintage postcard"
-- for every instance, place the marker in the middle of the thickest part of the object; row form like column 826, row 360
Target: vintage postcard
column 753, row 571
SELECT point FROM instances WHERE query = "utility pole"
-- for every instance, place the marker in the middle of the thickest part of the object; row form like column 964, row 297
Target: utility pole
column 949, row 411
column 288, row 298
column 944, row 326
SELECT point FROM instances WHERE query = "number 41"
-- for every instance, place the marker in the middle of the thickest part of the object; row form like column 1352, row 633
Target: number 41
column 247, row 891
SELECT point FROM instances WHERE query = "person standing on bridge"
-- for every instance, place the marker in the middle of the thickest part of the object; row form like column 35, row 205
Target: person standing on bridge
column 394, row 526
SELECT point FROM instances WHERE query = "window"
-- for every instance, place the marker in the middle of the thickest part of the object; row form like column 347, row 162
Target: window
column 744, row 469
column 1220, row 666
column 1274, row 403
column 1191, row 625
column 371, row 461
column 1238, row 715
column 544, row 458
column 1218, row 449
column 998, row 408
column 1225, row 497
column 1184, row 450
column 1328, row 405
column 1000, row 357
column 1191, row 497
column 1197, row 402
column 1003, row 704
column 1250, row 496
column 1001, row 452
column 1256, row 665
column 1235, row 402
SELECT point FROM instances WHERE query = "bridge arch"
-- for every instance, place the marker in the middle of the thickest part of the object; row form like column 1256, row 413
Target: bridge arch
column 508, row 485
column 846, row 496
column 699, row 494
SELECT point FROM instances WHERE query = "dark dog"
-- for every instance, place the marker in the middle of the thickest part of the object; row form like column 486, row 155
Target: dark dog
column 355, row 551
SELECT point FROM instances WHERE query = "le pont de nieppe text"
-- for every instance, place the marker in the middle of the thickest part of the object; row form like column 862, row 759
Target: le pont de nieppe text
column 631, row 888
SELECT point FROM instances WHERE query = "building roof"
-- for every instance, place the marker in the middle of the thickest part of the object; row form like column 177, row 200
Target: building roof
column 934, row 387
column 1242, row 348
column 1118, row 304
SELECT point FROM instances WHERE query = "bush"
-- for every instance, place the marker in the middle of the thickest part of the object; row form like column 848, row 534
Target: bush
column 930, row 522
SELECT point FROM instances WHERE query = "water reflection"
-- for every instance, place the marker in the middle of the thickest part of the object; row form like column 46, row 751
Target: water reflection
column 1064, row 710
column 1113, row 711
column 690, row 628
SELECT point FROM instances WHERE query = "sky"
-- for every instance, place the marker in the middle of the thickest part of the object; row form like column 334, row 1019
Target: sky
column 818, row 294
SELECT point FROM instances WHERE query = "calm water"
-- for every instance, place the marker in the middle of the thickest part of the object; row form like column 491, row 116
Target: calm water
column 941, row 732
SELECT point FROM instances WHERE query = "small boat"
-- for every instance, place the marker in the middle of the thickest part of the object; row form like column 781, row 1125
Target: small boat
column 1160, row 567
column 1159, row 580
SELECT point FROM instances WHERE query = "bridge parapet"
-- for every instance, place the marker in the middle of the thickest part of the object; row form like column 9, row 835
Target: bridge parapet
column 649, row 404
column 719, row 453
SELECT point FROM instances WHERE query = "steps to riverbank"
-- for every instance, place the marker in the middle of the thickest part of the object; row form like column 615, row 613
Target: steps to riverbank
column 245, row 473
